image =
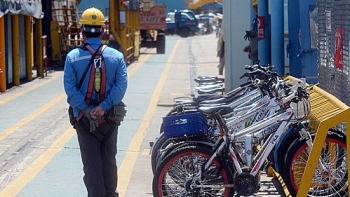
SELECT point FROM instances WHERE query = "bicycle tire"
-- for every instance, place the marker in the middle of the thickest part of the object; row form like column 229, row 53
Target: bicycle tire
column 277, row 157
column 322, row 184
column 172, row 147
column 177, row 171
column 159, row 145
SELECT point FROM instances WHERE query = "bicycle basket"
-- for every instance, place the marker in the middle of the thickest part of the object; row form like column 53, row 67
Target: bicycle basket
column 185, row 125
column 302, row 108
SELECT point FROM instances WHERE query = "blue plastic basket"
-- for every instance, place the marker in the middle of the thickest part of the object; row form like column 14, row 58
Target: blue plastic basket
column 185, row 125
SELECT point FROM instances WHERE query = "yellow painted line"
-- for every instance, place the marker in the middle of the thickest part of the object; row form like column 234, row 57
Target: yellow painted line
column 138, row 65
column 27, row 175
column 146, row 151
column 5, row 100
column 126, row 168
column 30, row 117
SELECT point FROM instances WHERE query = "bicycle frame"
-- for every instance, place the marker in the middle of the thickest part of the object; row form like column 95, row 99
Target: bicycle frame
column 258, row 131
column 264, row 108
column 248, row 97
column 261, row 109
column 284, row 120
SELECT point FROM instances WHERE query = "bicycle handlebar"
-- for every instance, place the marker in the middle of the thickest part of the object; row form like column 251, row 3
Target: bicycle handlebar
column 256, row 66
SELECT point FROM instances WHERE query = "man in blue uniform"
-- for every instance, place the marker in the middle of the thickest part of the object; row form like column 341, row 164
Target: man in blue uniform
column 95, row 86
column 252, row 36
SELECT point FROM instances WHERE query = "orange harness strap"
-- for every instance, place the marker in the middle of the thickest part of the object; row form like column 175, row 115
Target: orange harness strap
column 99, row 64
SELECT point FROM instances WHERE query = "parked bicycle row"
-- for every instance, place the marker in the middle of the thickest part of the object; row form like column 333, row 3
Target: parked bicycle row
column 216, row 144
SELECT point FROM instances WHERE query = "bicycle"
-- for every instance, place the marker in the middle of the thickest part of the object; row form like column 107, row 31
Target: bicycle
column 241, row 113
column 247, row 112
column 197, row 170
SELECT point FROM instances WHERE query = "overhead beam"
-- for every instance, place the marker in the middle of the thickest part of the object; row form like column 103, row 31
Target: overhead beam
column 200, row 3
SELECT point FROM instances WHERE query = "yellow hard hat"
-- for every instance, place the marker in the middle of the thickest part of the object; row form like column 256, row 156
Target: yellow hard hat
column 254, row 2
column 92, row 16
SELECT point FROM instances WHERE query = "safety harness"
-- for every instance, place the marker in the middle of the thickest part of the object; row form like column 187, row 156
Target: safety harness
column 97, row 76
column 97, row 82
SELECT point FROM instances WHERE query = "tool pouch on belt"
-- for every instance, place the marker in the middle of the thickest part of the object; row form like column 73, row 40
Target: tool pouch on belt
column 116, row 114
column 71, row 116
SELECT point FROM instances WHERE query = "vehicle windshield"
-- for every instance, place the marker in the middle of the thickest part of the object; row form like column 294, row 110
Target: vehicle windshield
column 171, row 17
column 187, row 16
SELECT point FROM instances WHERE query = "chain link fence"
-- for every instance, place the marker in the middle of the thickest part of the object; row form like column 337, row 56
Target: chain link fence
column 333, row 47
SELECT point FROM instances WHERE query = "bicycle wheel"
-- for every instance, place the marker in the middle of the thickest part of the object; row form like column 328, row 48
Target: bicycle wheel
column 171, row 147
column 157, row 148
column 277, row 157
column 179, row 174
column 331, row 179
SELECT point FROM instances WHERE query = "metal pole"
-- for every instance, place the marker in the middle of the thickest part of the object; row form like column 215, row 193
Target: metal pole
column 29, row 46
column 39, row 48
column 15, row 50
column 236, row 22
column 264, row 44
column 277, row 35
column 293, row 37
column 2, row 56
column 123, row 19
column 193, row 68
column 226, row 21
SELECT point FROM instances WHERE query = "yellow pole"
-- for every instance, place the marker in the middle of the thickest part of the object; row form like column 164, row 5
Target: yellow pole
column 2, row 56
column 122, row 27
column 114, row 23
column 137, row 35
column 39, row 48
column 29, row 47
column 15, row 50
column 129, row 28
column 348, row 140
column 121, row 31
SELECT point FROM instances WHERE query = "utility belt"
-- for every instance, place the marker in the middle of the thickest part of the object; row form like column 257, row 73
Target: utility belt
column 116, row 114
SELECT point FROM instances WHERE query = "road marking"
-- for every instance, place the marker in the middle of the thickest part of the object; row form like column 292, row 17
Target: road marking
column 30, row 117
column 27, row 175
column 127, row 166
column 20, row 93
column 138, row 65
column 146, row 151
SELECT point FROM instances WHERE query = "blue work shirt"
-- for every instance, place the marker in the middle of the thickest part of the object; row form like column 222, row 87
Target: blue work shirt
column 116, row 83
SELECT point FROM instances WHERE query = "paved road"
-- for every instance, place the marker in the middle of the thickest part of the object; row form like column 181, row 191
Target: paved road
column 39, row 154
